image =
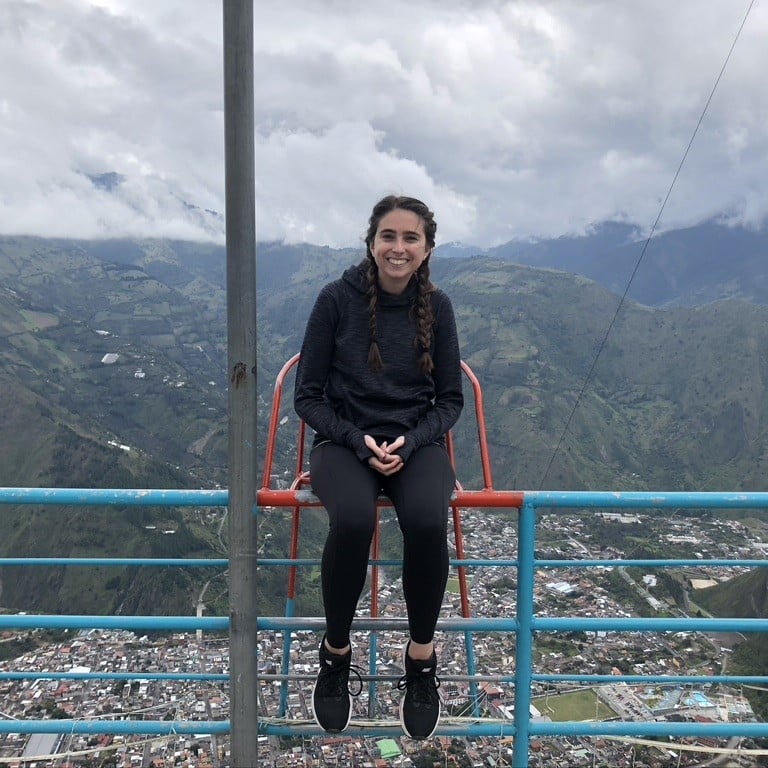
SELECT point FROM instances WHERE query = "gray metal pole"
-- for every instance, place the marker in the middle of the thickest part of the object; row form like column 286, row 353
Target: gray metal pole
column 241, row 359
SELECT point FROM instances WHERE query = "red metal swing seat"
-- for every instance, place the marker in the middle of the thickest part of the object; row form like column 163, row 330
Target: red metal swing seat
column 299, row 495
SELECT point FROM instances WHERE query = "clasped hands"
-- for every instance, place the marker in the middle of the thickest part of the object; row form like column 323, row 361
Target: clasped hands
column 384, row 459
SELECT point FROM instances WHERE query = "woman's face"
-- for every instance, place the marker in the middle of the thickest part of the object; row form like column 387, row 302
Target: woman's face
column 399, row 249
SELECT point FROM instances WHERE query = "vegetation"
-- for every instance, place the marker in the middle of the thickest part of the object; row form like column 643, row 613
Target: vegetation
column 675, row 401
column 574, row 706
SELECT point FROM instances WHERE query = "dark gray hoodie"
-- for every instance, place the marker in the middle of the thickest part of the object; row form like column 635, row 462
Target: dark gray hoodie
column 342, row 399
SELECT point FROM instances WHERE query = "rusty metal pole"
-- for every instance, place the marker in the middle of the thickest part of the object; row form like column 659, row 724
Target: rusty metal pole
column 241, row 359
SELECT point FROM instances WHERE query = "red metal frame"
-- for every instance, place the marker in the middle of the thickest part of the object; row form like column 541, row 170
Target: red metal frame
column 268, row 496
column 487, row 497
column 299, row 495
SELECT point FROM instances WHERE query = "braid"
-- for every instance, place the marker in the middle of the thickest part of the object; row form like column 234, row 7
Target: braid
column 424, row 317
column 375, row 363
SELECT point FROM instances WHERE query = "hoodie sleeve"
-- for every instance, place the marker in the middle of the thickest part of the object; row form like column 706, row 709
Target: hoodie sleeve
column 317, row 351
column 447, row 377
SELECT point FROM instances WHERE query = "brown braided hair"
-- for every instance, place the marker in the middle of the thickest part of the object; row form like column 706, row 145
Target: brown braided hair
column 423, row 309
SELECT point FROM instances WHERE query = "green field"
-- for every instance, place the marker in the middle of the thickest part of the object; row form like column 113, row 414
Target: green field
column 576, row 706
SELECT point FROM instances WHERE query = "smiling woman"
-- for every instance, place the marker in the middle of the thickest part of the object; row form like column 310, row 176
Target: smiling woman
column 379, row 380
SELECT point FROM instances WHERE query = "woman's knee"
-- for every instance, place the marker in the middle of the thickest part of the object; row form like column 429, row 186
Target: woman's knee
column 349, row 520
column 426, row 521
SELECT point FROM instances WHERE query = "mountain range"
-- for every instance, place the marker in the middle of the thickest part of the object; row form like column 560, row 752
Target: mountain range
column 113, row 365
column 687, row 267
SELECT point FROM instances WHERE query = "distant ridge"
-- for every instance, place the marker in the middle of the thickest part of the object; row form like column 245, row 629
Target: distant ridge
column 687, row 267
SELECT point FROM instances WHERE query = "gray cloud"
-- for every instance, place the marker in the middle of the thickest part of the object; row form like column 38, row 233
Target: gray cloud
column 517, row 119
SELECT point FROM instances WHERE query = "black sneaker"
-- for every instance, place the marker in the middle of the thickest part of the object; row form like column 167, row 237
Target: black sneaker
column 331, row 697
column 420, row 707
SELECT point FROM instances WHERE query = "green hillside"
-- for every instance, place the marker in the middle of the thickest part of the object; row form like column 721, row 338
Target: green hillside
column 676, row 399
column 65, row 415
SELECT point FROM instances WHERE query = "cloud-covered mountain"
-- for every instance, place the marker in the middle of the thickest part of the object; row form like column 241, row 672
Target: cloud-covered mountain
column 687, row 267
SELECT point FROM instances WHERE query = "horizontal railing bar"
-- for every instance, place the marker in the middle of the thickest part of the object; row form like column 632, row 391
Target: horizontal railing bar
column 651, row 679
column 112, row 561
column 316, row 623
column 647, row 499
column 497, row 624
column 647, row 728
column 49, row 675
column 503, row 728
column 495, row 728
column 614, row 624
column 290, row 497
column 139, row 623
column 558, row 499
column 142, row 497
column 154, row 727
column 497, row 563
column 466, row 498
column 688, row 562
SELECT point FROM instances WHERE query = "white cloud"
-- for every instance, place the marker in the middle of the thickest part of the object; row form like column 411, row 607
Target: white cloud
column 335, row 176
column 512, row 119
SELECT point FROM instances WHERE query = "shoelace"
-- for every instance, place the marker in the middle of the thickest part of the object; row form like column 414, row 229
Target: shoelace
column 422, row 686
column 335, row 680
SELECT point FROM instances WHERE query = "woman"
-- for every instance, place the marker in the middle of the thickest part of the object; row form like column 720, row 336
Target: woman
column 379, row 381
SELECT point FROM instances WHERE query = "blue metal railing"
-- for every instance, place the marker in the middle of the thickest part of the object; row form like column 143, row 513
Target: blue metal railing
column 525, row 624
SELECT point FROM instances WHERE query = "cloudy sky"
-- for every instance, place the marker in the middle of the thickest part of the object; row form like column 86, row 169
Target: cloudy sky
column 511, row 119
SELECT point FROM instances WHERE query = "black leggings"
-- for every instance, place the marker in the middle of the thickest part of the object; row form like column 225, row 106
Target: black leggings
column 420, row 493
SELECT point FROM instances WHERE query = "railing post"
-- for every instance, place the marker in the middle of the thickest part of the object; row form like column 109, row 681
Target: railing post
column 524, row 646
column 241, row 360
